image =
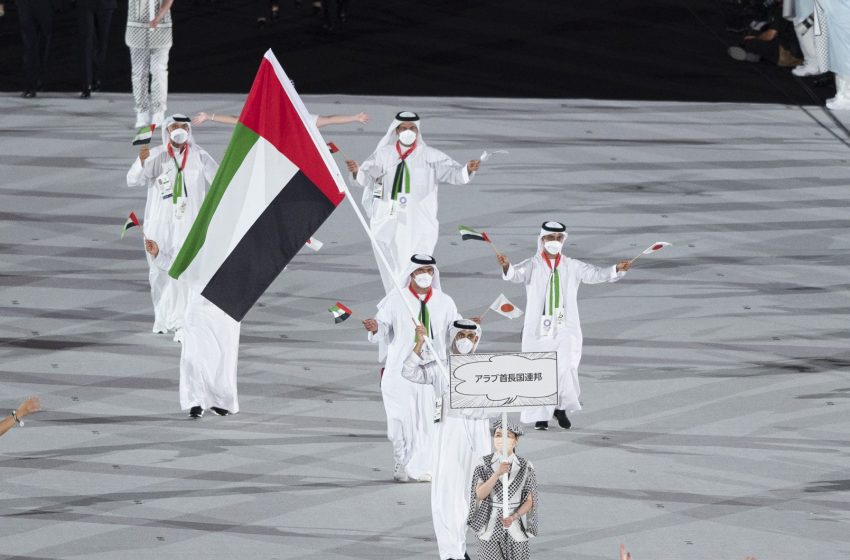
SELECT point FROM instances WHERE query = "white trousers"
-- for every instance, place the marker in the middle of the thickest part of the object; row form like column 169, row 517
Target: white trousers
column 209, row 357
column 150, row 79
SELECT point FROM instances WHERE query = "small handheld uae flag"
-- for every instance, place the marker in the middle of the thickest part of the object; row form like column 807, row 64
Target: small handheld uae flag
column 132, row 221
column 340, row 312
column 467, row 234
column 143, row 135
column 277, row 183
column 504, row 307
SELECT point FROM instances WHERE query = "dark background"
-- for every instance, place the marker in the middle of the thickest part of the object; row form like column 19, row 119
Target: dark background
column 602, row 49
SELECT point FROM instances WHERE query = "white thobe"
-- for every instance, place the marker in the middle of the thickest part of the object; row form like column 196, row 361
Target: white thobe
column 460, row 439
column 410, row 406
column 408, row 225
column 565, row 339
column 208, row 358
column 837, row 14
column 167, row 223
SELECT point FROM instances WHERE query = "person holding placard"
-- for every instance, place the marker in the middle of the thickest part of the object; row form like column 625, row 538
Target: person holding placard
column 503, row 534
column 460, row 438
column 551, row 319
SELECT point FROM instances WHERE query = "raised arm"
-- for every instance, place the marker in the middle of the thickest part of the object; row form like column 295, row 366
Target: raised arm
column 325, row 120
column 590, row 274
column 518, row 274
column 450, row 171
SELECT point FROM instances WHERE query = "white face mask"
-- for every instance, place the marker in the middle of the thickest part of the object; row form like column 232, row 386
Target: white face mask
column 464, row 345
column 179, row 135
column 407, row 137
column 553, row 247
column 423, row 280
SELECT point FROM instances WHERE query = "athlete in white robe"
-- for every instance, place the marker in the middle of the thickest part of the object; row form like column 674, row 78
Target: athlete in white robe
column 410, row 406
column 404, row 220
column 460, row 439
column 167, row 218
column 210, row 350
column 551, row 317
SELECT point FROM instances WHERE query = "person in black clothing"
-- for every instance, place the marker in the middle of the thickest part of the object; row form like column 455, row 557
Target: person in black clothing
column 36, row 18
column 93, row 19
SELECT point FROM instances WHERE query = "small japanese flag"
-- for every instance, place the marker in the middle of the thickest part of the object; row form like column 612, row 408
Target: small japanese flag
column 504, row 307
column 657, row 246
column 314, row 244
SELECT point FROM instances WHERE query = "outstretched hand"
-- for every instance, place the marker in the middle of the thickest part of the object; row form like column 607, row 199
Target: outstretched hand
column 200, row 118
column 30, row 405
column 473, row 165
column 623, row 266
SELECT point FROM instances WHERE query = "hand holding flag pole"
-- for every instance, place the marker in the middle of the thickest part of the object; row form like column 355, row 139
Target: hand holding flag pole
column 657, row 246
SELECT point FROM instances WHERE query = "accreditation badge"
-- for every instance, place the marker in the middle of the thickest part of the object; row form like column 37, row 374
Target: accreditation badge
column 402, row 204
column 547, row 325
column 165, row 186
column 560, row 317
column 180, row 208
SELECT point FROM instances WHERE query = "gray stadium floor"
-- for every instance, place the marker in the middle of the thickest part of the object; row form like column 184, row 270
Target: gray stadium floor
column 715, row 375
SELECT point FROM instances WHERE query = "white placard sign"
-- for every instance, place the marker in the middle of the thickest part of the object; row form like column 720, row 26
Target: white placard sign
column 504, row 381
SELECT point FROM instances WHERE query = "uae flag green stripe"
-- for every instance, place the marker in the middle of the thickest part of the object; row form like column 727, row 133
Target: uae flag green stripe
column 241, row 142
column 276, row 185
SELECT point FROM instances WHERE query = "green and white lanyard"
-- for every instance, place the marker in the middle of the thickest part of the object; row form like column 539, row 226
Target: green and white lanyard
column 553, row 298
column 178, row 182
column 401, row 180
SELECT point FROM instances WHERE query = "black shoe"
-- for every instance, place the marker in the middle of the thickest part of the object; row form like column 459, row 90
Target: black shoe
column 544, row 425
column 220, row 411
column 96, row 85
column 196, row 412
column 28, row 94
column 563, row 421
column 85, row 94
column 261, row 22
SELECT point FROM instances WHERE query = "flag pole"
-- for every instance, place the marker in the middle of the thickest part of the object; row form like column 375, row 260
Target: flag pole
column 383, row 259
column 505, row 455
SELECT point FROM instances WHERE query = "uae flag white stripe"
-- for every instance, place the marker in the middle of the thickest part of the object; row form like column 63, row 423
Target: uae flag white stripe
column 264, row 173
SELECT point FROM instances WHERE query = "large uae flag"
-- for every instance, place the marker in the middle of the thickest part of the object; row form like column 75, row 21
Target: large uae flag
column 276, row 184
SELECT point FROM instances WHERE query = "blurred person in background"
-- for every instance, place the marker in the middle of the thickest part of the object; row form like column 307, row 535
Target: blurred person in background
column 93, row 20
column 36, row 20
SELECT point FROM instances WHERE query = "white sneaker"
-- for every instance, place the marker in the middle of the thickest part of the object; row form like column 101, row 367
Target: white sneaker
column 400, row 473
column 838, row 103
column 178, row 336
column 807, row 69
column 158, row 117
column 742, row 55
column 142, row 119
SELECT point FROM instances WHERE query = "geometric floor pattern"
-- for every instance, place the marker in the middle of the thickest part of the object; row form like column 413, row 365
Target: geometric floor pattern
column 715, row 374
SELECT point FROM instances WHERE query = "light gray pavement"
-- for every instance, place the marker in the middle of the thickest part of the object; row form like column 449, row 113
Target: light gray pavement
column 715, row 375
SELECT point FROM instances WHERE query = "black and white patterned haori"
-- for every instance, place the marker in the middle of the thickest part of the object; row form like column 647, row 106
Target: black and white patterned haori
column 148, row 55
column 485, row 516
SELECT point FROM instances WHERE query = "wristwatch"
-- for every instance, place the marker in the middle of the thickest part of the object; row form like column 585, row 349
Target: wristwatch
column 18, row 421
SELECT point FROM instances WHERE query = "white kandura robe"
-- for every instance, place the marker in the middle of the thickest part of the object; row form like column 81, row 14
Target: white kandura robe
column 837, row 16
column 567, row 341
column 166, row 225
column 410, row 406
column 209, row 353
column 460, row 439
column 402, row 230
